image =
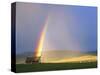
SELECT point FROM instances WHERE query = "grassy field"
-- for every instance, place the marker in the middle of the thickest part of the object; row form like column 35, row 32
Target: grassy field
column 53, row 66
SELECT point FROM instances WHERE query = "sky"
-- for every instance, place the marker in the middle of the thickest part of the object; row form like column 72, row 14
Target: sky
column 68, row 27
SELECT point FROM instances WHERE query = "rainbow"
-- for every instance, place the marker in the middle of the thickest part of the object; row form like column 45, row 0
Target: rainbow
column 58, row 18
column 38, row 50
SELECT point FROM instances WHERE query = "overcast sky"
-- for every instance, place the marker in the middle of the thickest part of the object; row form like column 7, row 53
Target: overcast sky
column 69, row 27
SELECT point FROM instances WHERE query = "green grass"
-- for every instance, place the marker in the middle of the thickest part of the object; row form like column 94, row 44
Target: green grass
column 53, row 66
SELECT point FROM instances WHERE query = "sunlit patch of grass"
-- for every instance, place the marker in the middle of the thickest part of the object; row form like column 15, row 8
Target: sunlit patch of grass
column 84, row 58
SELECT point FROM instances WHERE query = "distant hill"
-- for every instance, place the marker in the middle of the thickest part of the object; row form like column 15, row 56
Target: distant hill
column 53, row 54
column 91, row 52
column 63, row 54
column 25, row 54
